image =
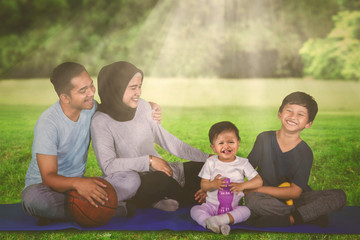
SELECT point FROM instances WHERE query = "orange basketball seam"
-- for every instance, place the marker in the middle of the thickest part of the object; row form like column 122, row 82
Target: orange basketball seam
column 87, row 215
column 83, row 214
column 82, row 199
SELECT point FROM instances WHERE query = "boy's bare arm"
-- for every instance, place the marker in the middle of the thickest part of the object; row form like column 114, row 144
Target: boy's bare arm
column 254, row 183
column 284, row 193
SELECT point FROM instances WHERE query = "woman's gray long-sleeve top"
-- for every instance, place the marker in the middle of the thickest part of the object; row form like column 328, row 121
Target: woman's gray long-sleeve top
column 126, row 146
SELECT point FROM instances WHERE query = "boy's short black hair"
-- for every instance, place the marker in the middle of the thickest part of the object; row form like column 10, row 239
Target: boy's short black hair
column 302, row 99
column 220, row 127
column 62, row 75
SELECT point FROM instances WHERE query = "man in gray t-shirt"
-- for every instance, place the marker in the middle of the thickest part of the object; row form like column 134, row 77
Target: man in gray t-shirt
column 60, row 147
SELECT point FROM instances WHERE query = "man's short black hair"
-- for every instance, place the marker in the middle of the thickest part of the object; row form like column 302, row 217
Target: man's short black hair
column 62, row 75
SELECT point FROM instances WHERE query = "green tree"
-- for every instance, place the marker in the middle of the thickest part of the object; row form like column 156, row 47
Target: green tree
column 337, row 56
column 40, row 34
column 232, row 39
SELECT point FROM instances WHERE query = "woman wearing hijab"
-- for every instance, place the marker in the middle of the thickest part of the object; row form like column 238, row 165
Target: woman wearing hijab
column 123, row 135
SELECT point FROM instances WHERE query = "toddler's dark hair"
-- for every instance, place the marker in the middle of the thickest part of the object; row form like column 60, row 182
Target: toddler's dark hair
column 220, row 127
column 302, row 99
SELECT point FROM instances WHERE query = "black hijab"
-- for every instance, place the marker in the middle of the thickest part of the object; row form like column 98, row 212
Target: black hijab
column 112, row 82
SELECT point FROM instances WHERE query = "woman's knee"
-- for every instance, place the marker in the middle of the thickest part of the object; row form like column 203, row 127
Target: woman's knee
column 125, row 184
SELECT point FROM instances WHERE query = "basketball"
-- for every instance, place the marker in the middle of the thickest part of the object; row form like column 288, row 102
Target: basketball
column 86, row 214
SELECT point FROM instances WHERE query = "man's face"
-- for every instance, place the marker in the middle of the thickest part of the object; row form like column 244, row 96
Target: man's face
column 133, row 91
column 83, row 91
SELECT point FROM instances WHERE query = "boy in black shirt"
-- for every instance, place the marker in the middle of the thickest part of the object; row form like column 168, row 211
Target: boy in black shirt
column 282, row 156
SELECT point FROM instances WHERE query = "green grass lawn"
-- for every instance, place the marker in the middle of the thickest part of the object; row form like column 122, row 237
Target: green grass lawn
column 190, row 107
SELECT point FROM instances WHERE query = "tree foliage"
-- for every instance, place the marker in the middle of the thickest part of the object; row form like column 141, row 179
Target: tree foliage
column 337, row 56
column 37, row 35
column 203, row 38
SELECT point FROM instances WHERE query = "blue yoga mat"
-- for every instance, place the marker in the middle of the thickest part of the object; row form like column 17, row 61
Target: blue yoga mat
column 12, row 218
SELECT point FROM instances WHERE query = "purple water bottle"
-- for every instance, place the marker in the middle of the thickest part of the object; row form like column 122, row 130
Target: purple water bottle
column 225, row 198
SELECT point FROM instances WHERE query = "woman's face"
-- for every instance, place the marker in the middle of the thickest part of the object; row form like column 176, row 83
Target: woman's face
column 133, row 91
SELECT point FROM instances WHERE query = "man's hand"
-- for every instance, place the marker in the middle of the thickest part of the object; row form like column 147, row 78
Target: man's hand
column 92, row 190
column 161, row 165
column 156, row 112
column 200, row 196
column 89, row 188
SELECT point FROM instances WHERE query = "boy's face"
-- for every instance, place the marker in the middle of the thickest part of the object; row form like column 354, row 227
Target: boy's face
column 226, row 145
column 294, row 118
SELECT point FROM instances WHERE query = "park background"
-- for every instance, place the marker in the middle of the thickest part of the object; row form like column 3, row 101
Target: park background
column 204, row 61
